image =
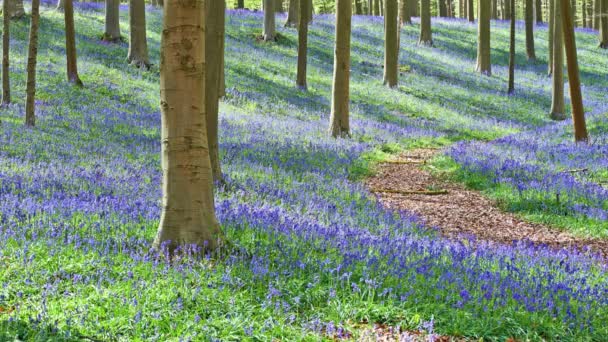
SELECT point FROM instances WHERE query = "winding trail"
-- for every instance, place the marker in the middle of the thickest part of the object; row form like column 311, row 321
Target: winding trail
column 456, row 211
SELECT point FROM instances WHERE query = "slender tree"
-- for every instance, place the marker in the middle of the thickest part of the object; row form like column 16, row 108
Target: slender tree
column 138, row 45
column 484, row 64
column 405, row 15
column 70, row 44
column 558, row 108
column 551, row 36
column 269, row 21
column 32, row 54
column 426, row 35
column 576, row 97
column 302, row 45
column 60, row 5
column 511, row 89
column 391, row 43
column 508, row 8
column 471, row 10
column 603, row 34
column 539, row 11
column 597, row 12
column 16, row 9
column 188, row 215
column 441, row 9
column 530, row 30
column 358, row 7
column 292, row 13
column 376, row 7
column 112, row 32
column 214, row 50
column 6, row 84
column 339, row 121
column 240, row 4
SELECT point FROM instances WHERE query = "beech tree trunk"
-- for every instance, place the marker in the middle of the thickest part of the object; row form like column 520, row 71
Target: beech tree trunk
column 358, row 9
column 597, row 12
column 494, row 9
column 509, row 9
column 138, row 45
column 578, row 112
column 339, row 120
column 558, row 110
column 484, row 64
column 511, row 89
column 551, row 36
column 405, row 16
column 240, row 4
column 112, row 32
column 188, row 214
column 60, row 5
column 471, row 9
column 539, row 12
column 70, row 44
column 603, row 33
column 269, row 21
column 441, row 9
column 32, row 55
column 391, row 43
column 292, row 13
column 426, row 35
column 302, row 46
column 530, row 30
column 376, row 7
column 16, row 9
column 214, row 50
column 6, row 84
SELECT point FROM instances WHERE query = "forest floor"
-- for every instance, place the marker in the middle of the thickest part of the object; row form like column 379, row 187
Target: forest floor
column 409, row 183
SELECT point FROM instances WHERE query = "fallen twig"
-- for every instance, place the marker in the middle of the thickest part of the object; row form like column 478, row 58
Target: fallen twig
column 405, row 162
column 419, row 192
column 577, row 170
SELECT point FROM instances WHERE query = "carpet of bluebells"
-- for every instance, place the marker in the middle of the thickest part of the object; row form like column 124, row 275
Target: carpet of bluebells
column 312, row 255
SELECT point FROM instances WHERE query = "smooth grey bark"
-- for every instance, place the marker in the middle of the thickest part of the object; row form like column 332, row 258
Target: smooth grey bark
column 529, row 10
column 138, row 45
column 550, row 36
column 16, row 9
column 484, row 64
column 339, row 120
column 471, row 10
column 426, row 34
column 511, row 87
column 302, row 46
column 112, row 27
column 558, row 110
column 391, row 43
column 269, row 21
column 6, row 85
column 60, row 5
column 405, row 13
column 70, row 44
column 32, row 55
column 292, row 13
column 188, row 214
column 603, row 33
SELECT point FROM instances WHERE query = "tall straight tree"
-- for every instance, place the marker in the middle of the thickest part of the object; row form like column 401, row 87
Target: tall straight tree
column 6, row 84
column 539, row 11
column 551, row 36
column 426, row 35
column 442, row 10
column 339, row 121
column 603, row 34
column 376, row 7
column 16, row 9
column 471, row 10
column 138, row 45
column 302, row 45
column 214, row 51
column 558, row 108
column 269, row 21
column 358, row 7
column 405, row 15
column 530, row 30
column 112, row 31
column 484, row 64
column 511, row 88
column 597, row 11
column 292, row 13
column 576, row 98
column 70, row 44
column 508, row 8
column 391, row 43
column 32, row 55
column 240, row 4
column 188, row 214
column 60, row 5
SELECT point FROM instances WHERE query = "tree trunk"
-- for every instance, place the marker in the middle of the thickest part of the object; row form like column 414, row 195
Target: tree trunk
column 441, row 9
column 339, row 121
column 138, row 45
column 494, row 9
column 112, row 33
column 578, row 112
column 511, row 89
column 509, row 9
column 376, row 7
column 278, row 6
column 240, row 4
column 484, row 64
column 539, row 12
column 573, row 12
column 70, row 44
column 188, row 214
column 405, row 16
column 60, row 5
column 558, row 111
column 530, row 30
column 6, row 84
column 358, row 9
column 292, row 13
column 32, row 54
column 426, row 35
column 584, row 12
column 269, row 21
column 471, row 8
column 391, row 43
column 603, row 33
column 214, row 49
column 551, row 36
column 597, row 12
column 302, row 46
column 16, row 9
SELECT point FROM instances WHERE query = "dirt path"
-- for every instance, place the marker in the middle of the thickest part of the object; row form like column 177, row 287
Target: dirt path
column 402, row 184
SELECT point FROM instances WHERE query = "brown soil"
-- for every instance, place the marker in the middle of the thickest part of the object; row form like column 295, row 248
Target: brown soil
column 402, row 184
